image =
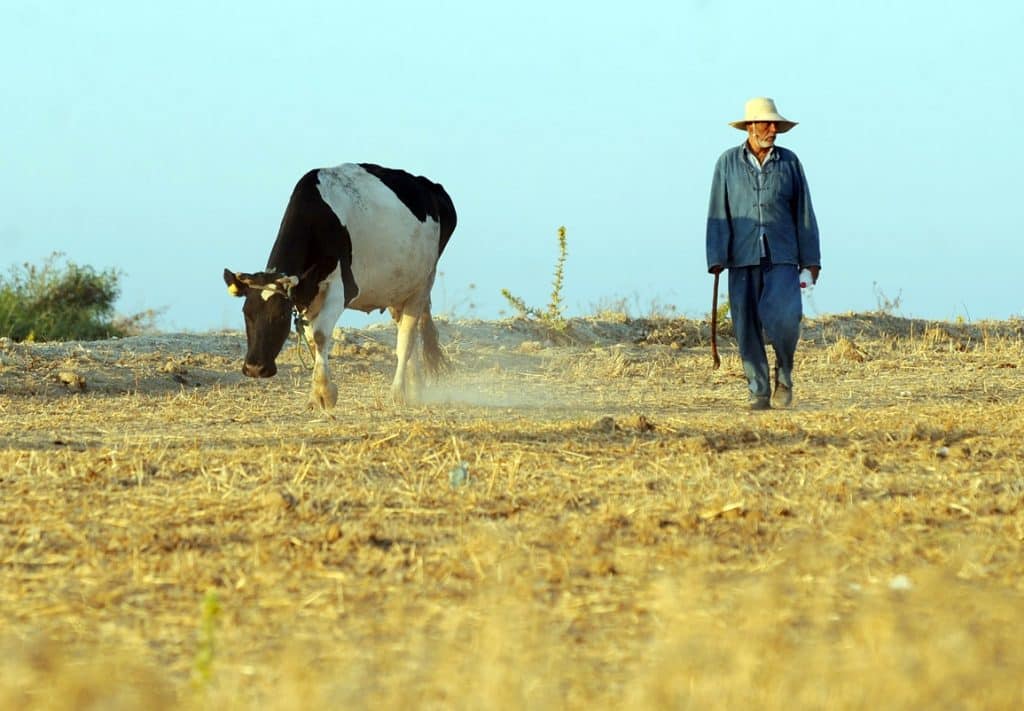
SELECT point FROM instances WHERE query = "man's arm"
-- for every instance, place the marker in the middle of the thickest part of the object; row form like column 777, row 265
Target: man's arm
column 719, row 229
column 808, row 241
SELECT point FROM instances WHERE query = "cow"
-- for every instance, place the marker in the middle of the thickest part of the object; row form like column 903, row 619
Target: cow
column 356, row 236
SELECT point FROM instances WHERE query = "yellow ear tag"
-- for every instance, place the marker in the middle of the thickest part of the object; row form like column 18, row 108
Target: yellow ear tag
column 233, row 290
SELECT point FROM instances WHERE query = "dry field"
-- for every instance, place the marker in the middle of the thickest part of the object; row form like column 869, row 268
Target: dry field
column 629, row 536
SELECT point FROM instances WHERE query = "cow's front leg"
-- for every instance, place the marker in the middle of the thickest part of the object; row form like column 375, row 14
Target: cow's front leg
column 324, row 394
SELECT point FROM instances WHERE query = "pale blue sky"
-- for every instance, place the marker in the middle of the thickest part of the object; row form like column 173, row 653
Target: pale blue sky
column 164, row 139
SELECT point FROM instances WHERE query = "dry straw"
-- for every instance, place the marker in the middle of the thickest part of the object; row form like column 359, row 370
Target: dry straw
column 629, row 535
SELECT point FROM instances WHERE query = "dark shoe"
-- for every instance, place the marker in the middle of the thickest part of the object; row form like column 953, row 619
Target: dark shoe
column 760, row 402
column 783, row 395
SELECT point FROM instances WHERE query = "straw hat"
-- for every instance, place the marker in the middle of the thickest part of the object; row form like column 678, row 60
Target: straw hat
column 762, row 109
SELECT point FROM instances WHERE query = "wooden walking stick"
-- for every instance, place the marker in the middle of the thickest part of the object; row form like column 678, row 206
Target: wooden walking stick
column 714, row 325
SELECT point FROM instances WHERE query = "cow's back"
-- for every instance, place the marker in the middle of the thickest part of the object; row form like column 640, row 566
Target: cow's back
column 423, row 197
column 394, row 227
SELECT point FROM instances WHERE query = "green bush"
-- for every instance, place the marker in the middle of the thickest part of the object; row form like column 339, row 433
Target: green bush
column 63, row 301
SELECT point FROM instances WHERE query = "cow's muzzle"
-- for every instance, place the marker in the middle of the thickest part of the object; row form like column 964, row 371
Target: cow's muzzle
column 257, row 370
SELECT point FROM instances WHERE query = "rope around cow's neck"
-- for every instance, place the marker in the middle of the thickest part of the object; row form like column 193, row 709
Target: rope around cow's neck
column 300, row 335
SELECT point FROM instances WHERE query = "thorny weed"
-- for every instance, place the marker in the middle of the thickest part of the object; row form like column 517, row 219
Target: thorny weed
column 553, row 317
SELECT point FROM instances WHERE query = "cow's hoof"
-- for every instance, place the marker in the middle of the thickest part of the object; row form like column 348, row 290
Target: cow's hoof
column 324, row 398
column 398, row 396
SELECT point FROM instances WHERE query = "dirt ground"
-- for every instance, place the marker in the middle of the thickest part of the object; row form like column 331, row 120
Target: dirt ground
column 589, row 519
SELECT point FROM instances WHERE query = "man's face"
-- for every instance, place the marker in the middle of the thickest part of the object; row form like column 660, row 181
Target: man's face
column 762, row 134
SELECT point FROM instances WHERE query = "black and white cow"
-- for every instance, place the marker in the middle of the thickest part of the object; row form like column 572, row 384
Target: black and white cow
column 357, row 236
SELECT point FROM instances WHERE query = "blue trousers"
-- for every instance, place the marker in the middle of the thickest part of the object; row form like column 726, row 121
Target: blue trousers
column 764, row 303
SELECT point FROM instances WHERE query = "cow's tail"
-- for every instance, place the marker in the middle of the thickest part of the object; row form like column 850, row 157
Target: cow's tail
column 435, row 361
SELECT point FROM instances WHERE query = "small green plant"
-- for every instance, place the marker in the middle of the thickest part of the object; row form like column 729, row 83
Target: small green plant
column 202, row 665
column 724, row 311
column 61, row 300
column 553, row 316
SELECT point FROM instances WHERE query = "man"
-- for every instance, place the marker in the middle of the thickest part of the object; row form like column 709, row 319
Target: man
column 761, row 227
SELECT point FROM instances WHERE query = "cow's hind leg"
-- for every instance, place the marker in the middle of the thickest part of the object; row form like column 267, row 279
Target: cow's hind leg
column 406, row 345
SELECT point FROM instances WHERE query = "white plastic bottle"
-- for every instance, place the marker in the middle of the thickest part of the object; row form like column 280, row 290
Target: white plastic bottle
column 806, row 280
column 807, row 291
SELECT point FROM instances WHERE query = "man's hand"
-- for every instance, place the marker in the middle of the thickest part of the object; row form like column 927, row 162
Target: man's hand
column 814, row 273
column 715, row 269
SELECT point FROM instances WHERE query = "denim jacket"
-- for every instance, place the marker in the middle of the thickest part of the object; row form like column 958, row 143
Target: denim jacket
column 742, row 208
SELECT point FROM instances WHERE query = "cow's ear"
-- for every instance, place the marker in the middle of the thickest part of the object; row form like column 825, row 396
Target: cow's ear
column 236, row 287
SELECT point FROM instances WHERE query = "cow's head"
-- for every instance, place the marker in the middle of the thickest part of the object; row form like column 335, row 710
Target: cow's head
column 267, row 310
